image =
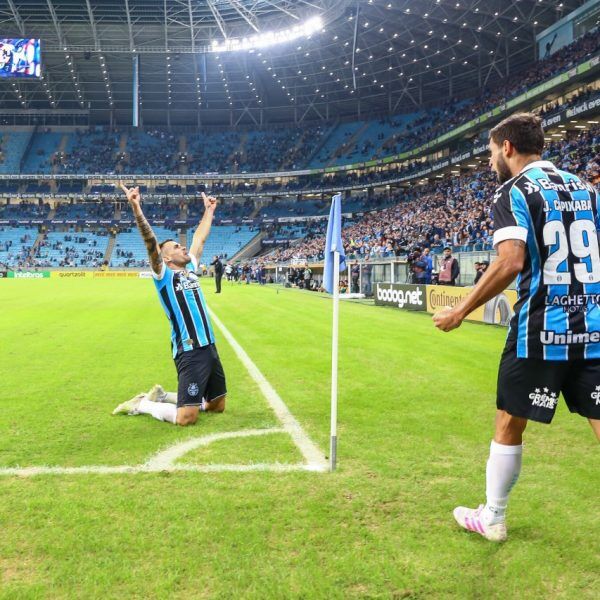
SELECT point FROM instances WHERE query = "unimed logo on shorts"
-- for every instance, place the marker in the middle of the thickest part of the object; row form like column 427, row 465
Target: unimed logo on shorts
column 410, row 297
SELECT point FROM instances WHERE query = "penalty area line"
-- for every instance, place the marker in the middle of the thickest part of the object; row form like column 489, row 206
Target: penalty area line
column 311, row 453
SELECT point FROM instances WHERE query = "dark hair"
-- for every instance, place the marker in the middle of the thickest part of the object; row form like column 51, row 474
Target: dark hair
column 523, row 130
column 164, row 242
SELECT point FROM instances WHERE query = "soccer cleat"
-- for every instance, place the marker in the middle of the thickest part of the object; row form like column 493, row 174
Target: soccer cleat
column 470, row 519
column 156, row 393
column 130, row 407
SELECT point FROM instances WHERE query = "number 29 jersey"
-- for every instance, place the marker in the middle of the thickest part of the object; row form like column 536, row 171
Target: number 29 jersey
column 557, row 314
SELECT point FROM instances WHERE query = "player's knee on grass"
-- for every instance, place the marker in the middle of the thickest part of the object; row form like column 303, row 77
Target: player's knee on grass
column 187, row 415
column 509, row 429
column 216, row 405
column 595, row 423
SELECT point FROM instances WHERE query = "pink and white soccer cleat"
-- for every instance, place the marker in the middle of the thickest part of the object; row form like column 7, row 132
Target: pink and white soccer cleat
column 470, row 519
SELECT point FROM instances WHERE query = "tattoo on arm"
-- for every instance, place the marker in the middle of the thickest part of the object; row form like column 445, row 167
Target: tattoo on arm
column 151, row 243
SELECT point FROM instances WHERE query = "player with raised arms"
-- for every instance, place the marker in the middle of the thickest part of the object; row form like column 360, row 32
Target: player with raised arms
column 201, row 380
column 546, row 225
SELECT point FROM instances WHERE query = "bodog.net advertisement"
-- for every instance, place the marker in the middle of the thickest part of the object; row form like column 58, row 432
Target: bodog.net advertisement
column 497, row 311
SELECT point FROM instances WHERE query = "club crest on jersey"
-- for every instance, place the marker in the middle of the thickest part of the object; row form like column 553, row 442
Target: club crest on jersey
column 596, row 395
column 543, row 399
column 193, row 389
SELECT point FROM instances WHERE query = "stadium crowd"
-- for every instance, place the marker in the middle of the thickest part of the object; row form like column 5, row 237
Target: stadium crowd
column 454, row 212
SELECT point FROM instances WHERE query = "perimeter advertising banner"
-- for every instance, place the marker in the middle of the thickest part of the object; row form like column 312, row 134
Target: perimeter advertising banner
column 101, row 274
column 433, row 298
column 29, row 274
column 406, row 296
column 497, row 311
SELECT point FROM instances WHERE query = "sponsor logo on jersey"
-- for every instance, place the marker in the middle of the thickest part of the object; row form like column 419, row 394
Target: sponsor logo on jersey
column 549, row 337
column 596, row 395
column 543, row 399
column 531, row 188
column 187, row 283
column 573, row 185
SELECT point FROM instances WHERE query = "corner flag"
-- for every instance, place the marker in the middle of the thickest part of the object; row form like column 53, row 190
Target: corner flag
column 334, row 244
column 335, row 260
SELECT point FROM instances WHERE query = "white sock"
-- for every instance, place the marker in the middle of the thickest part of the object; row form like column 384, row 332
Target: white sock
column 169, row 397
column 502, row 472
column 159, row 410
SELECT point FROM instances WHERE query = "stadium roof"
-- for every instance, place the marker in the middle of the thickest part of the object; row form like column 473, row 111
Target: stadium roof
column 370, row 57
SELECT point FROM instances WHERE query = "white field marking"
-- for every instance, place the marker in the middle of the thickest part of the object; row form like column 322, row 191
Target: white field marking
column 167, row 458
column 165, row 461
column 309, row 450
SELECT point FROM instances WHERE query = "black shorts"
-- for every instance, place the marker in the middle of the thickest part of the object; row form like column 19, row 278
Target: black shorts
column 200, row 376
column 530, row 387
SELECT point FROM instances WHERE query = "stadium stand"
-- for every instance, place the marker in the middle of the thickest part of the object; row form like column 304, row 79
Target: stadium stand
column 15, row 245
column 129, row 250
column 154, row 151
column 224, row 241
column 39, row 157
column 24, row 210
column 71, row 249
column 13, row 145
column 86, row 210
column 455, row 212
column 90, row 152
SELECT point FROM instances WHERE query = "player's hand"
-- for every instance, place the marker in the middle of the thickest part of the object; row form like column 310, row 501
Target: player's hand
column 210, row 202
column 133, row 195
column 447, row 319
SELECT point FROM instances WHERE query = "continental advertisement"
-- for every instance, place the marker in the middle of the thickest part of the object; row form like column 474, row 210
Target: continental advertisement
column 433, row 298
column 497, row 311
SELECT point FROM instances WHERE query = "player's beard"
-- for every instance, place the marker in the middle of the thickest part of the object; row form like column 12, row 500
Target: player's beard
column 502, row 171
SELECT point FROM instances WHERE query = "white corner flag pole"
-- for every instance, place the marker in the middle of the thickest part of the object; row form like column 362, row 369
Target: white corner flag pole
column 334, row 360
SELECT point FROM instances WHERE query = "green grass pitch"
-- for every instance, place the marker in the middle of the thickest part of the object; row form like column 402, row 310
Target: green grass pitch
column 416, row 413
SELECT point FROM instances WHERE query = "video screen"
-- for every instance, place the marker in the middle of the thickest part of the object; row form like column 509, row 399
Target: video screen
column 20, row 58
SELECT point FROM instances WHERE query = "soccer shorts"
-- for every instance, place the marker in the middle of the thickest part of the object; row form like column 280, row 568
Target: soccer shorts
column 200, row 376
column 530, row 387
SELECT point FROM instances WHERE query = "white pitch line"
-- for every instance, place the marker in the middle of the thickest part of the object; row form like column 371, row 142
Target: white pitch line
column 126, row 469
column 164, row 461
column 167, row 458
column 310, row 451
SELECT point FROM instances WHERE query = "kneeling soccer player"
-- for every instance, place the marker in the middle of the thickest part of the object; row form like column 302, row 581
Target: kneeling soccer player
column 201, row 380
column 546, row 232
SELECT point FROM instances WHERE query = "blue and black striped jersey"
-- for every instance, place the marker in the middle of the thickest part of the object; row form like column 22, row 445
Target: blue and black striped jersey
column 182, row 299
column 557, row 314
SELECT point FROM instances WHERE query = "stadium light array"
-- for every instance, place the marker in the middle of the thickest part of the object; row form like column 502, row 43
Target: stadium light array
column 269, row 38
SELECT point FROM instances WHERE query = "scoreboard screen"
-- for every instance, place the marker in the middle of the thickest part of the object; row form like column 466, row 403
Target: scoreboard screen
column 20, row 58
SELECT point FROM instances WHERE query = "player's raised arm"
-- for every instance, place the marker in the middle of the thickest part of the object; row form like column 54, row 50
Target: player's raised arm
column 134, row 198
column 203, row 229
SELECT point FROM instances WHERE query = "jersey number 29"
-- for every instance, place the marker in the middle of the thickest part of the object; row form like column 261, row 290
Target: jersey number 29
column 584, row 245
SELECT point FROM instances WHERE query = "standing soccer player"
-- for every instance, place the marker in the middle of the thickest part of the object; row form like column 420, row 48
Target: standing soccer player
column 201, row 380
column 546, row 233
